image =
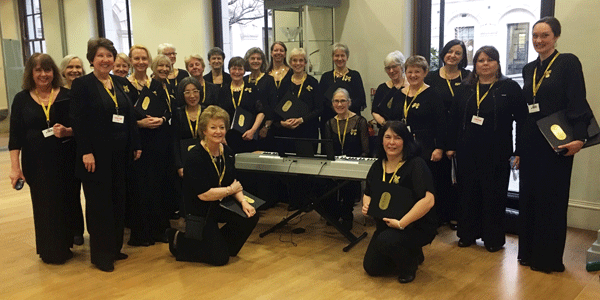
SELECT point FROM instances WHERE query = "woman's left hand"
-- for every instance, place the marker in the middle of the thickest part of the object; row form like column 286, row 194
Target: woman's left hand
column 60, row 131
column 436, row 155
column 248, row 135
column 137, row 154
column 248, row 209
column 573, row 147
column 392, row 223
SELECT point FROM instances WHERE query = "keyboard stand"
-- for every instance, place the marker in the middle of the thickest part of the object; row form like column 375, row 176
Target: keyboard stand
column 318, row 207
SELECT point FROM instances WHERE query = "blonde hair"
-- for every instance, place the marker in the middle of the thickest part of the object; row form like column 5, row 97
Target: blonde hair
column 160, row 59
column 188, row 59
column 211, row 112
column 134, row 47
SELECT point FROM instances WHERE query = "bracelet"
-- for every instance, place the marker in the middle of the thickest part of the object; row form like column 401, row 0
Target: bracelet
column 400, row 227
column 227, row 190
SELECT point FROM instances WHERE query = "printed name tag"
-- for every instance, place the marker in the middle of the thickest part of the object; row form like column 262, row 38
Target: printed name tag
column 48, row 132
column 118, row 119
column 533, row 108
column 477, row 120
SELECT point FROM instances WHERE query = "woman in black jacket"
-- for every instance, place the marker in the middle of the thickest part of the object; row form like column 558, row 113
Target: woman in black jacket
column 481, row 137
column 107, row 138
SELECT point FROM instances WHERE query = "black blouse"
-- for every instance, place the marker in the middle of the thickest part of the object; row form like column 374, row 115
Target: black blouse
column 357, row 91
column 440, row 85
column 226, row 78
column 266, row 92
column 356, row 137
column 249, row 101
column 414, row 175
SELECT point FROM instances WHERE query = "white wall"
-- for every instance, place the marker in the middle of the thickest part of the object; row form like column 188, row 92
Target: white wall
column 9, row 30
column 580, row 35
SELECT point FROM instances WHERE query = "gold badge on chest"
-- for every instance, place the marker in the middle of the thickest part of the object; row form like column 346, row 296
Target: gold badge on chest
column 241, row 120
column 287, row 106
column 384, row 201
column 146, row 103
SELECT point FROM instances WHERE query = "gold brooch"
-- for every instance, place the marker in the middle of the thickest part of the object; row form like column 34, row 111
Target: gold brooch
column 309, row 88
column 396, row 179
column 126, row 89
column 353, row 132
column 249, row 90
column 346, row 78
column 155, row 93
column 416, row 105
column 547, row 73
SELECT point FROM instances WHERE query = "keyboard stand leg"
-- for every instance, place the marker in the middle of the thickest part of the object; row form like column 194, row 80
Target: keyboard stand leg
column 318, row 207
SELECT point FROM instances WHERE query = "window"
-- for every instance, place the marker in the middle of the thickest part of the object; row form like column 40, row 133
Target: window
column 466, row 34
column 32, row 28
column 114, row 23
column 518, row 39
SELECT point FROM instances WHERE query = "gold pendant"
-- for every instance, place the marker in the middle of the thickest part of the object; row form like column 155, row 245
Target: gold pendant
column 384, row 201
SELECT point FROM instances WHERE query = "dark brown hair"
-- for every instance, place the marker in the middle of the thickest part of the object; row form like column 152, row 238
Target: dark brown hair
column 47, row 64
column 95, row 43
column 284, row 59
column 552, row 22
column 490, row 51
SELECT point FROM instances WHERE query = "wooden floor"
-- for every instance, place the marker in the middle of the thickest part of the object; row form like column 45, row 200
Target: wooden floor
column 281, row 265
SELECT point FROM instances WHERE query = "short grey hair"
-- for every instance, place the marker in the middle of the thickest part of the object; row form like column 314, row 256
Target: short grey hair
column 395, row 57
column 340, row 46
column 342, row 91
column 163, row 46
column 65, row 62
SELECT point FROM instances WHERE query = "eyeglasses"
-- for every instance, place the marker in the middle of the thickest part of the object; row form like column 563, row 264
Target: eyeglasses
column 193, row 92
column 170, row 53
column 343, row 101
column 391, row 67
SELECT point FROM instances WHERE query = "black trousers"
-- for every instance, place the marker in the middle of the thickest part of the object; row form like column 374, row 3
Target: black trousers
column 105, row 211
column 545, row 181
column 218, row 244
column 483, row 186
column 393, row 251
column 446, row 196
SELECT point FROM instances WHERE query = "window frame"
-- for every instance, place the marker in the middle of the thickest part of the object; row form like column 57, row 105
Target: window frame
column 25, row 40
column 102, row 25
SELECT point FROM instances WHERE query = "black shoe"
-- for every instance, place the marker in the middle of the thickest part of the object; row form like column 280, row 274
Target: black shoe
column 543, row 270
column 406, row 278
column 548, row 270
column 493, row 248
column 421, row 257
column 464, row 243
column 78, row 240
column 106, row 267
column 523, row 262
column 68, row 255
column 121, row 256
column 452, row 225
column 170, row 233
column 139, row 243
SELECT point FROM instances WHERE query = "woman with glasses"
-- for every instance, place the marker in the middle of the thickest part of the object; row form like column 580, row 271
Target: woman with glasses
column 394, row 67
column 176, row 75
column 209, row 92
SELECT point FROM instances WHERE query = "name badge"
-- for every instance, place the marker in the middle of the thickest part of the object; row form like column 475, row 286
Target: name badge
column 533, row 108
column 477, row 120
column 408, row 127
column 48, row 132
column 118, row 119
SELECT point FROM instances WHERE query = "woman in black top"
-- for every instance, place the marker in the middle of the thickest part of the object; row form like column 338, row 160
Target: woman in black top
column 150, row 214
column 341, row 76
column 446, row 81
column 240, row 94
column 122, row 65
column 397, row 242
column 394, row 67
column 350, row 135
column 263, row 85
column 106, row 134
column 176, row 75
column 553, row 82
column 279, row 68
column 209, row 92
column 216, row 58
column 210, row 176
column 480, row 135
column 39, row 130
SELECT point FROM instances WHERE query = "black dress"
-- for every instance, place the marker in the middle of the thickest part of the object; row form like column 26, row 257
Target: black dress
column 483, row 153
column 172, row 84
column 392, row 250
column 447, row 201
column 246, row 99
column 217, row 244
column 47, row 164
column 352, row 82
column 153, row 172
column 226, row 78
column 545, row 177
column 383, row 92
column 355, row 140
column 266, row 93
column 112, row 145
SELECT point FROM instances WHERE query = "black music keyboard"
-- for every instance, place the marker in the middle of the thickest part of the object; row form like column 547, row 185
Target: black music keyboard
column 343, row 167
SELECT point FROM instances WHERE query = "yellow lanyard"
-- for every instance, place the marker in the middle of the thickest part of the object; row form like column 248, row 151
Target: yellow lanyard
column 536, row 86
column 137, row 84
column 168, row 97
column 407, row 107
column 342, row 139
column 337, row 74
column 479, row 100
column 255, row 81
column 301, row 85
column 204, row 92
column 220, row 174
column 240, row 98
column 448, row 81
column 112, row 96
column 277, row 84
column 169, row 82
column 193, row 130
column 46, row 109
column 393, row 175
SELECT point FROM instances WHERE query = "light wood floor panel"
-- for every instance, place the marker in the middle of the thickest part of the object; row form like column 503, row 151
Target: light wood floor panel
column 273, row 268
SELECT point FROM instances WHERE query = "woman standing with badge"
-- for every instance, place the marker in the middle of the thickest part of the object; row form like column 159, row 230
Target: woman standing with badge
column 107, row 138
column 38, row 117
column 480, row 135
column 396, row 244
column 245, row 110
column 553, row 82
column 209, row 177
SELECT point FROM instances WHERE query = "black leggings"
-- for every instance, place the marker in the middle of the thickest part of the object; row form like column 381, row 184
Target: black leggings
column 218, row 244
